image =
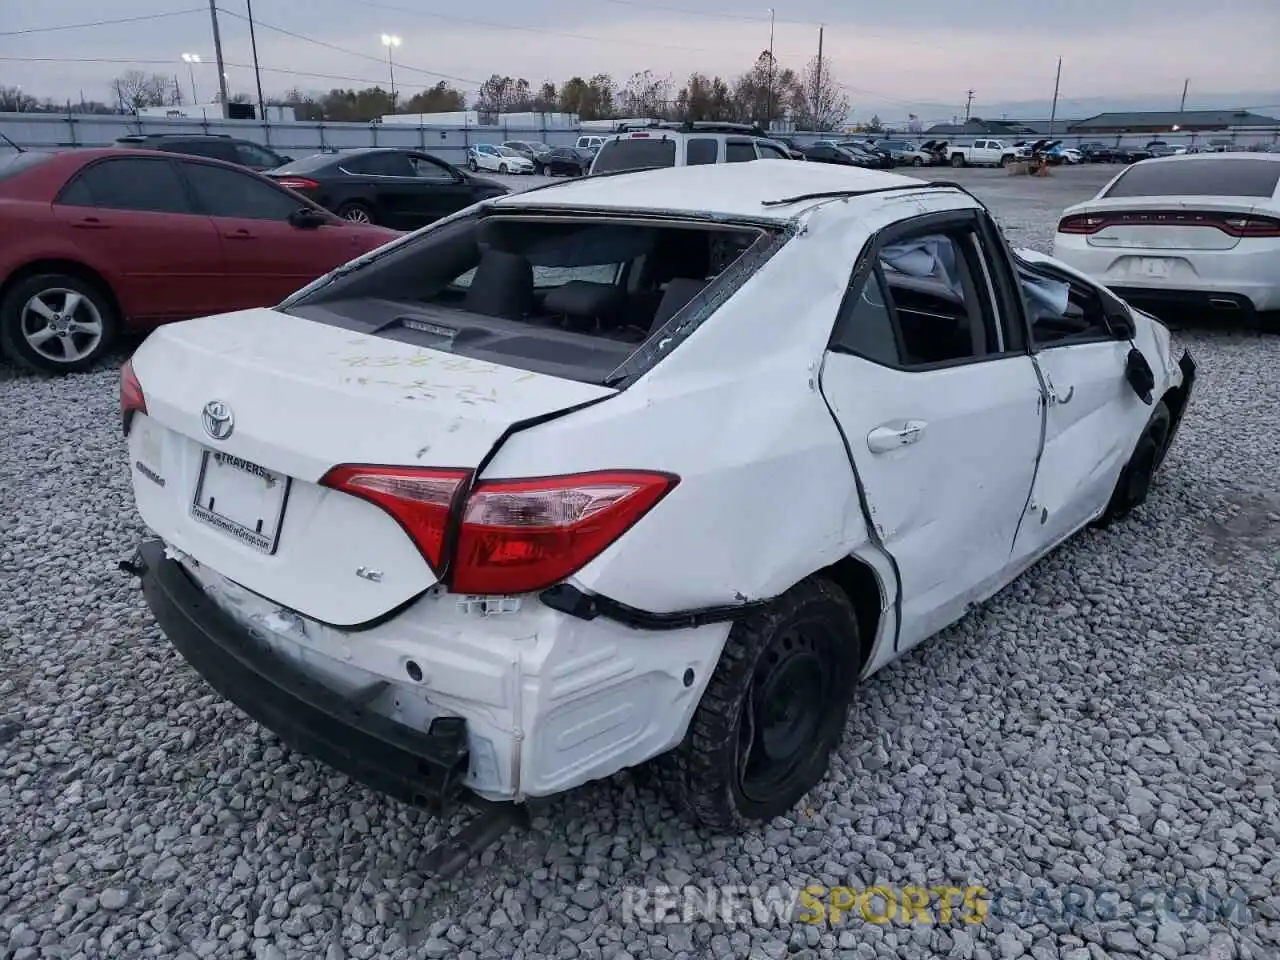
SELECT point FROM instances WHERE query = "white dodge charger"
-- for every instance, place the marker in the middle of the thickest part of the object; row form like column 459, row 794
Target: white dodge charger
column 661, row 465
column 1200, row 230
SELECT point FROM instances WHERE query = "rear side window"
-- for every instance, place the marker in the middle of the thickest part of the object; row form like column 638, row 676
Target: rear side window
column 217, row 149
column 222, row 192
column 739, row 151
column 311, row 164
column 381, row 165
column 636, row 153
column 252, row 155
column 769, row 152
column 701, row 150
column 1208, row 177
column 130, row 183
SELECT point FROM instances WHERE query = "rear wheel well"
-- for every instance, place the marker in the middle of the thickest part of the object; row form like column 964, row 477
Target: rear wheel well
column 861, row 585
column 71, row 268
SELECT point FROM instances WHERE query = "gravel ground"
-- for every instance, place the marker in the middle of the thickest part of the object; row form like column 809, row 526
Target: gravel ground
column 1108, row 722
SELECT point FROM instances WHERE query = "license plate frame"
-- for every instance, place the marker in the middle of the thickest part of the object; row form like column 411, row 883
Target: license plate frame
column 272, row 500
column 1155, row 268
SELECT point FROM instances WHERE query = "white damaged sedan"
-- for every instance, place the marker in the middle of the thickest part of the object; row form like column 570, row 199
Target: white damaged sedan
column 654, row 466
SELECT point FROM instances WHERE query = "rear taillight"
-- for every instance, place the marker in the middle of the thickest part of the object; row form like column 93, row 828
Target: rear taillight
column 421, row 500
column 132, row 399
column 1234, row 225
column 518, row 536
column 1251, row 226
column 298, row 183
column 1081, row 224
column 514, row 536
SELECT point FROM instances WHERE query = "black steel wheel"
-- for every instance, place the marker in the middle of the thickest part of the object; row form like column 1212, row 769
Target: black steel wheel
column 772, row 712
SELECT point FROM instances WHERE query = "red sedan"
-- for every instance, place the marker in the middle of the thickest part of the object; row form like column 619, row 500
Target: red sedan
column 97, row 242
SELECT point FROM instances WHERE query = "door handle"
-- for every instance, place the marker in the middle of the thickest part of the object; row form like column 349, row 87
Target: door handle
column 90, row 223
column 1054, row 398
column 240, row 235
column 891, row 436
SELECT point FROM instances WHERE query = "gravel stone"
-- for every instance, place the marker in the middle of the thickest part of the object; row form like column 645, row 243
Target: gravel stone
column 1105, row 724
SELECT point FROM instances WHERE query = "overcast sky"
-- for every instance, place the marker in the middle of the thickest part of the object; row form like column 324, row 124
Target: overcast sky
column 892, row 57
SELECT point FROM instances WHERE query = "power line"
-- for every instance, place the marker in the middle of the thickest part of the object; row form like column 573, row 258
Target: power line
column 493, row 25
column 338, row 49
column 99, row 23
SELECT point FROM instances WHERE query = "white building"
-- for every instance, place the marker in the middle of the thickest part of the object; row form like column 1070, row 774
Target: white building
column 213, row 111
column 472, row 118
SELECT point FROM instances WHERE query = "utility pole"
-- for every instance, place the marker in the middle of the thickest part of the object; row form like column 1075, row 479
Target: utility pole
column 257, row 74
column 768, row 122
column 1053, row 111
column 1182, row 107
column 217, row 53
column 968, row 106
column 817, row 81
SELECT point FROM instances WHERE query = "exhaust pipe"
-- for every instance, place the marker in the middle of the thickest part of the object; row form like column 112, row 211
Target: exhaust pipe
column 1223, row 303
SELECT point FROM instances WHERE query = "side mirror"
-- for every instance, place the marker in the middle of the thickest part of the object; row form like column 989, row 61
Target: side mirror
column 1121, row 322
column 285, row 159
column 305, row 218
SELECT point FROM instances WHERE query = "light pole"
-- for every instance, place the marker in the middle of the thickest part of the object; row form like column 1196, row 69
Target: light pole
column 391, row 41
column 768, row 120
column 191, row 59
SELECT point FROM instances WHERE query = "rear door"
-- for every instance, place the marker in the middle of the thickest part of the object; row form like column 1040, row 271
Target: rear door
column 264, row 257
column 1093, row 417
column 401, row 201
column 135, row 222
column 940, row 407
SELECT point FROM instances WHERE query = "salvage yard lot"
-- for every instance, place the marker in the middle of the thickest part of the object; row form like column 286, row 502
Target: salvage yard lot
column 1108, row 723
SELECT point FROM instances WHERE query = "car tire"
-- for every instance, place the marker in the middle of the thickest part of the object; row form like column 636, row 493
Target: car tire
column 88, row 333
column 1005, row 159
column 917, row 162
column 957, row 160
column 1135, row 479
column 539, row 170
column 473, row 166
column 356, row 213
column 502, row 168
column 808, row 636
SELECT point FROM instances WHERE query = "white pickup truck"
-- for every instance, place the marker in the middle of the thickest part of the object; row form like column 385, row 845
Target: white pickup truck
column 993, row 153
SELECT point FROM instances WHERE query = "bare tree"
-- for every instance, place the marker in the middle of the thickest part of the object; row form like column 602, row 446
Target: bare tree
column 818, row 102
column 13, row 100
column 646, row 94
column 134, row 90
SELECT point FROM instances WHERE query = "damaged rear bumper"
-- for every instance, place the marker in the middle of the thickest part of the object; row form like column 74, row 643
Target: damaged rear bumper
column 426, row 769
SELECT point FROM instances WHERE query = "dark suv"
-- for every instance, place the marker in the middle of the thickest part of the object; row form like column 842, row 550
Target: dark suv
column 217, row 146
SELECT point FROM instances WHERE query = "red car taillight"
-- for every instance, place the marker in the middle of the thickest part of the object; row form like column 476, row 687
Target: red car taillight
column 518, row 536
column 132, row 399
column 421, row 500
column 1234, row 225
column 298, row 183
column 513, row 536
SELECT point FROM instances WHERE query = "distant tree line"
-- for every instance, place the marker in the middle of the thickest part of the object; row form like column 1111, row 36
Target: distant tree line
column 810, row 98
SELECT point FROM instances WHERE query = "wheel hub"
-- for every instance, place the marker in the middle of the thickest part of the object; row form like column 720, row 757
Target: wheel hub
column 790, row 700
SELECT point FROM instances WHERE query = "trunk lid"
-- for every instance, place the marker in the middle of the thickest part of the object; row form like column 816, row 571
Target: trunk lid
column 301, row 397
column 1164, row 223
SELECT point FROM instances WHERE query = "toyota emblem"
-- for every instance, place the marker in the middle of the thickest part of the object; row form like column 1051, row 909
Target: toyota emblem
column 218, row 420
